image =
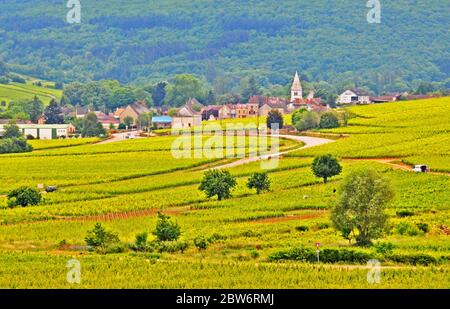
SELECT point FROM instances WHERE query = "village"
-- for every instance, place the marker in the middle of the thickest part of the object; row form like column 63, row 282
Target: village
column 139, row 116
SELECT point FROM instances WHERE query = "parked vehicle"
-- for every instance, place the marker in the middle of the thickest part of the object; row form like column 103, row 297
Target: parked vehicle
column 421, row 169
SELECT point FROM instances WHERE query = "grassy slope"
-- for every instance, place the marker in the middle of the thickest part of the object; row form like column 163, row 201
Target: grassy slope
column 254, row 226
column 16, row 91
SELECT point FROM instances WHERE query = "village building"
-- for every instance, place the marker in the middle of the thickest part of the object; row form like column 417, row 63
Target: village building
column 133, row 111
column 354, row 96
column 45, row 131
column 108, row 121
column 296, row 89
column 187, row 116
column 211, row 112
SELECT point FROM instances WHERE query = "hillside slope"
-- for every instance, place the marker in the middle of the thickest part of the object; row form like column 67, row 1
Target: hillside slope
column 152, row 40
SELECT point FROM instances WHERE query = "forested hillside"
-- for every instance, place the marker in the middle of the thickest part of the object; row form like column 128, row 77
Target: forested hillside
column 140, row 41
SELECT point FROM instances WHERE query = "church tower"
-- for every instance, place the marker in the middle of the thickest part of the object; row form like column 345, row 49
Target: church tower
column 296, row 89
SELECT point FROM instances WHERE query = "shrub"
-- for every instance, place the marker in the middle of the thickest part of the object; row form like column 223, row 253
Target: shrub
column 414, row 259
column 166, row 230
column 385, row 248
column 24, row 196
column 201, row 243
column 328, row 121
column 302, row 228
column 171, row 246
column 100, row 239
column 405, row 213
column 423, row 227
column 326, row 255
column 140, row 243
column 254, row 254
column 307, row 121
column 14, row 145
column 216, row 237
column 405, row 228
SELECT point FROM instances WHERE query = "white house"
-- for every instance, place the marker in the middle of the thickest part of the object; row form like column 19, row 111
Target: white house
column 45, row 131
column 187, row 117
column 354, row 96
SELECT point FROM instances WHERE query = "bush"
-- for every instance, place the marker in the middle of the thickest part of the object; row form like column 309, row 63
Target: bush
column 140, row 243
column 201, row 243
column 326, row 255
column 385, row 248
column 216, row 237
column 166, row 230
column 302, row 228
column 414, row 259
column 24, row 196
column 14, row 145
column 328, row 121
column 171, row 246
column 404, row 228
column 260, row 182
column 101, row 240
column 307, row 121
column 423, row 227
column 405, row 213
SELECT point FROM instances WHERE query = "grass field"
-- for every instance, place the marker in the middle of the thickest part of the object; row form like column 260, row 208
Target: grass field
column 17, row 91
column 124, row 185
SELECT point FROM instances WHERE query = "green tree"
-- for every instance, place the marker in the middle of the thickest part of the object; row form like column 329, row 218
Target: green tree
column 250, row 87
column 35, row 109
column 159, row 93
column 217, row 182
column 166, row 230
column 360, row 209
column 128, row 121
column 53, row 113
column 260, row 182
column 91, row 126
column 326, row 166
column 328, row 120
column 297, row 114
column 144, row 120
column 307, row 121
column 11, row 130
column 24, row 196
column 100, row 239
column 211, row 98
column 183, row 87
column 274, row 118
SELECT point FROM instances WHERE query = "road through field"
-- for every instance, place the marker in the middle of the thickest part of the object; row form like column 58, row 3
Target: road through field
column 308, row 142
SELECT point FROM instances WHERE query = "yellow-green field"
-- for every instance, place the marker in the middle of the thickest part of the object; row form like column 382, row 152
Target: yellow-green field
column 124, row 184
column 17, row 91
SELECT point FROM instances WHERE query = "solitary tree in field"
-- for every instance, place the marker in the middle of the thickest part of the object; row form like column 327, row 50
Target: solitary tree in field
column 218, row 182
column 275, row 118
column 326, row 166
column 260, row 182
column 359, row 213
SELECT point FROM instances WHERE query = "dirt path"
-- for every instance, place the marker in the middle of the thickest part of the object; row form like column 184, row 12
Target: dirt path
column 307, row 140
column 289, row 218
column 394, row 163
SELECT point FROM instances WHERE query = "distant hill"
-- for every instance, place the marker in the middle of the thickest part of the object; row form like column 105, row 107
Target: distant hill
column 137, row 41
column 17, row 91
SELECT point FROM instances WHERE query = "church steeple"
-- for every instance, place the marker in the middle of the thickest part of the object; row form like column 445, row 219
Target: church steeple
column 296, row 89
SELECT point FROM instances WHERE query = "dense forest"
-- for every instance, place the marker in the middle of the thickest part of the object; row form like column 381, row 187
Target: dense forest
column 143, row 42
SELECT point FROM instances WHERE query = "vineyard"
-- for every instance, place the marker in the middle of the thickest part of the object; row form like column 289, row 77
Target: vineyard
column 250, row 237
